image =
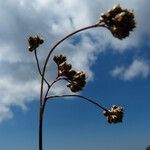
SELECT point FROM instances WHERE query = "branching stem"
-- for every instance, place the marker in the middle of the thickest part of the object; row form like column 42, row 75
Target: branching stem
column 58, row 43
column 79, row 96
column 42, row 73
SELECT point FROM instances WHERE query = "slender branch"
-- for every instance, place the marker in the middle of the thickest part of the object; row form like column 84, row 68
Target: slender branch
column 42, row 108
column 43, row 104
column 56, row 80
column 38, row 66
column 79, row 96
column 58, row 43
column 65, row 79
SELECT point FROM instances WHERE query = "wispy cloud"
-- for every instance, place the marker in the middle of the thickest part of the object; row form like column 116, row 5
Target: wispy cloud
column 138, row 68
column 53, row 19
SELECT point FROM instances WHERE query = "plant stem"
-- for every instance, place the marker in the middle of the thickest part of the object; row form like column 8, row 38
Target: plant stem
column 42, row 104
column 60, row 96
column 41, row 114
column 38, row 66
column 50, row 85
column 40, row 129
column 79, row 96
column 42, row 109
column 53, row 48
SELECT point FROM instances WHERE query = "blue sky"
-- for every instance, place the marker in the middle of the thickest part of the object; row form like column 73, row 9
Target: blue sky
column 118, row 73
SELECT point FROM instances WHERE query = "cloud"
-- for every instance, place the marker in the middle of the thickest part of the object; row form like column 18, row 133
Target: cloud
column 138, row 68
column 53, row 19
column 5, row 113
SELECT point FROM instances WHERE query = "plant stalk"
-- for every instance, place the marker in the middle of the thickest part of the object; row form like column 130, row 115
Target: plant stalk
column 79, row 96
column 40, row 129
column 43, row 101
column 53, row 48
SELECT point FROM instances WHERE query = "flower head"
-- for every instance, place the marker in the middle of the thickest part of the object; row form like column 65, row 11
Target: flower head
column 59, row 59
column 34, row 42
column 76, row 80
column 119, row 21
column 114, row 115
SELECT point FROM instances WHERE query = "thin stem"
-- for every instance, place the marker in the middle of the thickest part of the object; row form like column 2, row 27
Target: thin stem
column 42, row 104
column 56, row 80
column 58, row 43
column 65, row 79
column 38, row 66
column 40, row 129
column 79, row 96
column 42, row 108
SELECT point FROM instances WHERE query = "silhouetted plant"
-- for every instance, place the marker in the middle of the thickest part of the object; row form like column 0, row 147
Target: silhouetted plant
column 119, row 22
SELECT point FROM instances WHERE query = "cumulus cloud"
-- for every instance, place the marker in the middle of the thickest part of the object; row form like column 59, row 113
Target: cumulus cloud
column 53, row 19
column 138, row 68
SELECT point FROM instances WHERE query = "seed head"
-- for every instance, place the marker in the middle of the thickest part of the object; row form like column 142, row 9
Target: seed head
column 76, row 80
column 59, row 59
column 119, row 21
column 64, row 69
column 114, row 115
column 34, row 42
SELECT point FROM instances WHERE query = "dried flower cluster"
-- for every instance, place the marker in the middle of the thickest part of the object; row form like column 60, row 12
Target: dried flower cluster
column 34, row 42
column 114, row 115
column 119, row 21
column 76, row 80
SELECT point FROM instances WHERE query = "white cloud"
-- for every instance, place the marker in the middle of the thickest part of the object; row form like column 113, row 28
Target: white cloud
column 53, row 19
column 14, row 92
column 5, row 113
column 118, row 71
column 138, row 68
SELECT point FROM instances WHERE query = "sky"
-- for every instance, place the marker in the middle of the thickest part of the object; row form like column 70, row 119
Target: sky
column 118, row 73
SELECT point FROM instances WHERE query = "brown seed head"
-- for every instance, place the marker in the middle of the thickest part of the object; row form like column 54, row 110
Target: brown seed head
column 119, row 21
column 34, row 42
column 114, row 115
column 76, row 80
column 59, row 59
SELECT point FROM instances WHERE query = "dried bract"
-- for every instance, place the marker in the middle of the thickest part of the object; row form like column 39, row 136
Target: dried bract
column 119, row 21
column 34, row 42
column 114, row 115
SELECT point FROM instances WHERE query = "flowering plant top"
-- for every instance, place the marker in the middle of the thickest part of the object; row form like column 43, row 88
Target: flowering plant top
column 120, row 22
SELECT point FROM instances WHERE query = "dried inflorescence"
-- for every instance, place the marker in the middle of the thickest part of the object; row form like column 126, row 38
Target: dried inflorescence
column 119, row 21
column 114, row 115
column 34, row 42
column 76, row 80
